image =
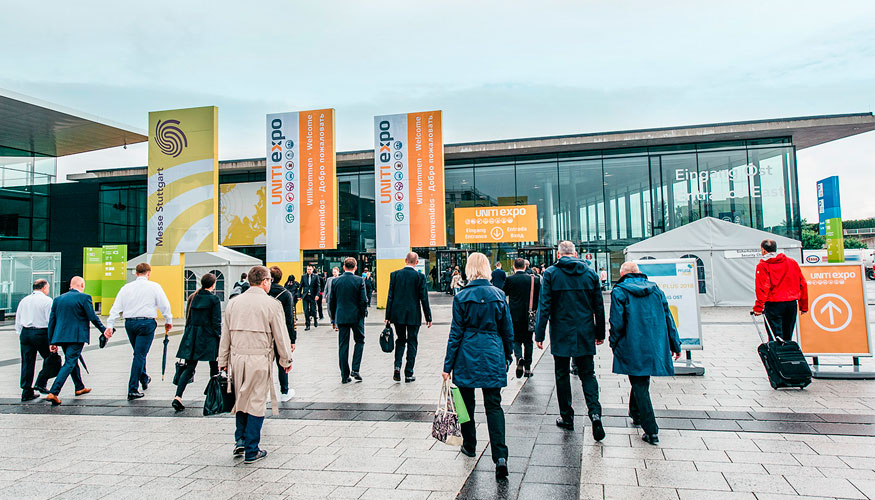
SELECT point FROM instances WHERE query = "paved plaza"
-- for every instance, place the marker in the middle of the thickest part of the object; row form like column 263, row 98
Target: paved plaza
column 725, row 435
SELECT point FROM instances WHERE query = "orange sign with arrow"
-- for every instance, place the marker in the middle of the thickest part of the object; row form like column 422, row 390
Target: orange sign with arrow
column 837, row 321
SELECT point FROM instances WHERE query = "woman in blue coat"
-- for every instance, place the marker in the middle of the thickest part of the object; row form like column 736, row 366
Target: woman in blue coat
column 643, row 337
column 479, row 354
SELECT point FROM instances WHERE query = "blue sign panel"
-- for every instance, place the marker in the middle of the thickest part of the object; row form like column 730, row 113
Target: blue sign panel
column 828, row 201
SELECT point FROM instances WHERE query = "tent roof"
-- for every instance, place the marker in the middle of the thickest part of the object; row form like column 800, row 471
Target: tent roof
column 710, row 233
column 224, row 256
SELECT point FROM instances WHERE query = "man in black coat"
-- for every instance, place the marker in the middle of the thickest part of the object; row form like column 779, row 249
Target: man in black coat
column 323, row 278
column 285, row 297
column 348, row 306
column 498, row 276
column 571, row 301
column 310, row 289
column 407, row 293
column 519, row 287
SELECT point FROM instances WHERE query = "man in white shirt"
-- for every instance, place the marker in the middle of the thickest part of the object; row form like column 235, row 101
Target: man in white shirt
column 32, row 325
column 139, row 300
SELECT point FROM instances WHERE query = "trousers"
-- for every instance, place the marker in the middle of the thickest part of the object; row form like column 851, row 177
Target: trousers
column 494, row 421
column 586, row 372
column 248, row 433
column 309, row 310
column 523, row 351
column 781, row 317
column 407, row 336
column 188, row 373
column 70, row 368
column 358, row 333
column 141, row 333
column 33, row 341
column 640, row 407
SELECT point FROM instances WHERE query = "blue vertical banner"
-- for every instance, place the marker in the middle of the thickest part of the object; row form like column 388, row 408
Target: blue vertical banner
column 829, row 217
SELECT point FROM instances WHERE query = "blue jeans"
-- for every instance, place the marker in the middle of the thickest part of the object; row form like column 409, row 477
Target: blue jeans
column 248, row 433
column 141, row 333
column 70, row 368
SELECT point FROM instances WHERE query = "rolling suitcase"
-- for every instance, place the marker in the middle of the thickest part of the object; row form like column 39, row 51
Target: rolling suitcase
column 785, row 364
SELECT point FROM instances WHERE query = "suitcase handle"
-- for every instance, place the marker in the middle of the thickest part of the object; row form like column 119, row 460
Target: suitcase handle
column 769, row 332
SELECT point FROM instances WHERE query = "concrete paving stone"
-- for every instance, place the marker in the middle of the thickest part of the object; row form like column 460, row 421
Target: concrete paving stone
column 762, row 457
column 866, row 486
column 777, row 426
column 592, row 492
column 670, row 442
column 380, row 480
column 304, row 491
column 785, row 470
column 778, row 496
column 809, row 460
column 698, row 494
column 14, row 475
column 757, row 483
column 266, row 475
column 308, row 462
column 614, row 492
column 730, row 444
column 372, row 464
column 347, row 492
column 622, row 452
column 443, row 495
column 432, row 483
column 827, row 487
column 844, row 449
column 390, row 452
column 859, row 462
column 552, row 475
column 669, row 465
column 847, row 473
column 142, row 493
column 682, row 479
column 731, row 467
column 168, row 483
column 608, row 475
column 715, row 425
column 432, row 467
column 600, row 461
column 696, row 455
column 438, row 454
column 270, row 488
column 335, row 478
column 223, row 473
column 384, row 494
column 89, row 492
column 187, row 470
column 775, row 446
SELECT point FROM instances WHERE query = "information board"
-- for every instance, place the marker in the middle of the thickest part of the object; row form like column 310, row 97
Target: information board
column 115, row 261
column 509, row 224
column 92, row 272
column 838, row 319
column 677, row 278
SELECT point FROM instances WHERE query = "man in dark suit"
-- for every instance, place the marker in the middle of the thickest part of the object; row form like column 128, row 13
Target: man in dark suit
column 310, row 289
column 407, row 293
column 68, row 331
column 498, row 276
column 520, row 288
column 348, row 306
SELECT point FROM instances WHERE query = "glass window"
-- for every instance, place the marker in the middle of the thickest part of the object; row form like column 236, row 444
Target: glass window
column 191, row 283
column 723, row 183
column 220, row 284
column 627, row 182
column 460, row 192
column 770, row 173
column 680, row 193
column 494, row 184
column 367, row 214
column 579, row 193
column 700, row 271
column 538, row 184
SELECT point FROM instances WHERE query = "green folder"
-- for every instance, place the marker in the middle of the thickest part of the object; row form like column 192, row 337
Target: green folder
column 459, row 403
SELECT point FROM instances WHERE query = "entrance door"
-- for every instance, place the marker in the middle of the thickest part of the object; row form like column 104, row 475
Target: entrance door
column 545, row 256
column 451, row 258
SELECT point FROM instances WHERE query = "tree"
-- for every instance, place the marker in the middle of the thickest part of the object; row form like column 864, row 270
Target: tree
column 811, row 240
column 854, row 243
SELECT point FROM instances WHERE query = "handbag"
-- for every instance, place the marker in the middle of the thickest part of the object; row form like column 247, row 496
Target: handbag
column 387, row 339
column 219, row 394
column 461, row 409
column 445, row 427
column 533, row 315
column 52, row 365
column 181, row 364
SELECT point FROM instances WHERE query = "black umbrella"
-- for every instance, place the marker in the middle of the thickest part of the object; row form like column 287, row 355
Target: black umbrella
column 164, row 357
column 82, row 362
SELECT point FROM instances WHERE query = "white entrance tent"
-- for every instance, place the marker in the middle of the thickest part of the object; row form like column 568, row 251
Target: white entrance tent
column 726, row 253
column 225, row 263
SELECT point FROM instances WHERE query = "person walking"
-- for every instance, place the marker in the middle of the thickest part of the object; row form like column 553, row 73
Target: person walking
column 254, row 331
column 309, row 291
column 433, row 274
column 243, row 282
column 479, row 354
column 138, row 301
column 32, row 326
column 780, row 290
column 335, row 272
column 408, row 292
column 69, row 332
column 603, row 277
column 200, row 340
column 349, row 308
column 446, row 280
column 320, row 299
column 644, row 339
column 571, row 301
column 285, row 298
column 294, row 289
column 498, row 276
column 456, row 283
column 522, row 292
column 370, row 285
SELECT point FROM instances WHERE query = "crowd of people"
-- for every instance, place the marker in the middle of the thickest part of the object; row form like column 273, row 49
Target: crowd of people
column 496, row 318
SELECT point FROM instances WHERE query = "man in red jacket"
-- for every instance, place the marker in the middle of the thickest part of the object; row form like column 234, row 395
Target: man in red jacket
column 780, row 289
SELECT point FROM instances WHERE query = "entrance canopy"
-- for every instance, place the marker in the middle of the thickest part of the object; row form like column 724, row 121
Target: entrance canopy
column 726, row 254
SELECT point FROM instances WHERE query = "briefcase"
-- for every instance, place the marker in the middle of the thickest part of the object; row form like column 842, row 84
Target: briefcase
column 387, row 339
column 785, row 364
column 52, row 365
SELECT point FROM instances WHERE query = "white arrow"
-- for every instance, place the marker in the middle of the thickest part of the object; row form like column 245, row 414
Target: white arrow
column 832, row 309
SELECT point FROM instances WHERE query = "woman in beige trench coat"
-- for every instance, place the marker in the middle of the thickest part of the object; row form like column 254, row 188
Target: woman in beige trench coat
column 254, row 331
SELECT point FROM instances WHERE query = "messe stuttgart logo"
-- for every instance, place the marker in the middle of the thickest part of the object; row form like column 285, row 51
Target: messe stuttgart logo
column 170, row 138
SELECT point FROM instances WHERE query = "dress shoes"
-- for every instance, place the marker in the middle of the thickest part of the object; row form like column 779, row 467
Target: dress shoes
column 41, row 389
column 135, row 395
column 177, row 405
column 83, row 391
column 410, row 379
column 650, row 438
column 564, row 424
column 501, row 468
column 520, row 368
column 30, row 396
column 598, row 430
column 146, row 381
column 528, row 373
column 258, row 456
column 54, row 399
column 307, row 329
column 345, row 380
column 356, row 376
column 315, row 324
column 467, row 452
column 397, row 376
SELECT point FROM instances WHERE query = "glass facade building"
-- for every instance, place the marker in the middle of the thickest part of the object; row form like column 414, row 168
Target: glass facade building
column 24, row 199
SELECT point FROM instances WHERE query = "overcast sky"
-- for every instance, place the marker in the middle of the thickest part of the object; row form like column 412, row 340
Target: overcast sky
column 500, row 69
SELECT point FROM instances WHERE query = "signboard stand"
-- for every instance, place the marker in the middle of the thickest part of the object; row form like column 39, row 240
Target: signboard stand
column 837, row 323
column 677, row 278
